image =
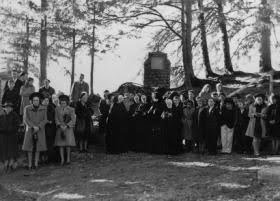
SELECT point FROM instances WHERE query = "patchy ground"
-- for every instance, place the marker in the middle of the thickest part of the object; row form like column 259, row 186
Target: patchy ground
column 143, row 177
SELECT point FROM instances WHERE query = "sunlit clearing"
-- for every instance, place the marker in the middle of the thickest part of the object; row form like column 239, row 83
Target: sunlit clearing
column 269, row 159
column 191, row 164
column 101, row 181
column 67, row 196
column 232, row 185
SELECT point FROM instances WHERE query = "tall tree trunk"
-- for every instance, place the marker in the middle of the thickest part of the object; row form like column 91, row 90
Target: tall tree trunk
column 203, row 36
column 73, row 56
column 43, row 44
column 92, row 52
column 223, row 28
column 265, row 46
column 186, row 23
column 27, row 45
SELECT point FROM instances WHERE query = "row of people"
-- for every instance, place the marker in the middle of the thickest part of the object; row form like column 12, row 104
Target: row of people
column 170, row 122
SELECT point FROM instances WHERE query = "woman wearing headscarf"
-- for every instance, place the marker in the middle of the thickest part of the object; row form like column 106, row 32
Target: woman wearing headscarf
column 257, row 128
column 273, row 119
column 83, row 122
column 65, row 119
column 35, row 119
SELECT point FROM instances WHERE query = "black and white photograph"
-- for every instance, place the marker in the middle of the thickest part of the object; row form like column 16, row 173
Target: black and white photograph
column 139, row 100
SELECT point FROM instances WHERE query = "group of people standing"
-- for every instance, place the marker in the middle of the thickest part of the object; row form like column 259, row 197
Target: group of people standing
column 50, row 121
column 171, row 122
column 162, row 122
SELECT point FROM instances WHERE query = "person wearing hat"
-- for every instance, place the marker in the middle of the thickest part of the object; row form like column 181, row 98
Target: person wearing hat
column 228, row 117
column 25, row 91
column 35, row 119
column 47, row 90
column 257, row 128
column 11, row 95
column 77, row 88
column 273, row 120
column 65, row 119
column 9, row 124
column 83, row 122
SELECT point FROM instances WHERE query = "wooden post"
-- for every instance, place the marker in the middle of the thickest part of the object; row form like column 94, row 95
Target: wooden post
column 271, row 82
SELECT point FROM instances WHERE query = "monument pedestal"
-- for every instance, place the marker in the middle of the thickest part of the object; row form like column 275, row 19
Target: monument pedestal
column 157, row 70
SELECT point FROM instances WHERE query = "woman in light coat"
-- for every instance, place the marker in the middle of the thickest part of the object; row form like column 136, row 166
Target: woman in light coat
column 257, row 128
column 35, row 119
column 65, row 119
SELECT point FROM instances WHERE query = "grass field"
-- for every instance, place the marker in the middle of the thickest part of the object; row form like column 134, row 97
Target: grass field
column 143, row 177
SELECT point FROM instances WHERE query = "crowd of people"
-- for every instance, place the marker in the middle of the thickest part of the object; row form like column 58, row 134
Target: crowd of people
column 162, row 122
column 172, row 123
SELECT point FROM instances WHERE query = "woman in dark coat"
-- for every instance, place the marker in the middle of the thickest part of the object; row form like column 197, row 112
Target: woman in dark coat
column 9, row 124
column 212, row 127
column 11, row 95
column 50, row 130
column 273, row 118
column 198, row 128
column 83, row 122
column 156, row 136
column 118, row 127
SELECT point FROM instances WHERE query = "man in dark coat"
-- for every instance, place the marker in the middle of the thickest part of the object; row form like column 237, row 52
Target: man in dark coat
column 11, row 95
column 47, row 90
column 78, row 88
column 18, row 81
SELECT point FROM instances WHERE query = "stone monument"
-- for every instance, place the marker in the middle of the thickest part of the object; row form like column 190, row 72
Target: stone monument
column 157, row 70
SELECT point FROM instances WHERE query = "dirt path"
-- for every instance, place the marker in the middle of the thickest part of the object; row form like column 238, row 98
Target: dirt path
column 143, row 177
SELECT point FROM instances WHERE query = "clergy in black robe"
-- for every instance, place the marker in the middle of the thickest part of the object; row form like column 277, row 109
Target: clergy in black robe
column 143, row 126
column 212, row 127
column 134, row 125
column 117, row 128
column 241, row 142
column 172, row 128
column 156, row 136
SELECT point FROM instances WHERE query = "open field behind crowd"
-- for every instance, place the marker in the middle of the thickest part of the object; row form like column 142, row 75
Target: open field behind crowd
column 144, row 177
